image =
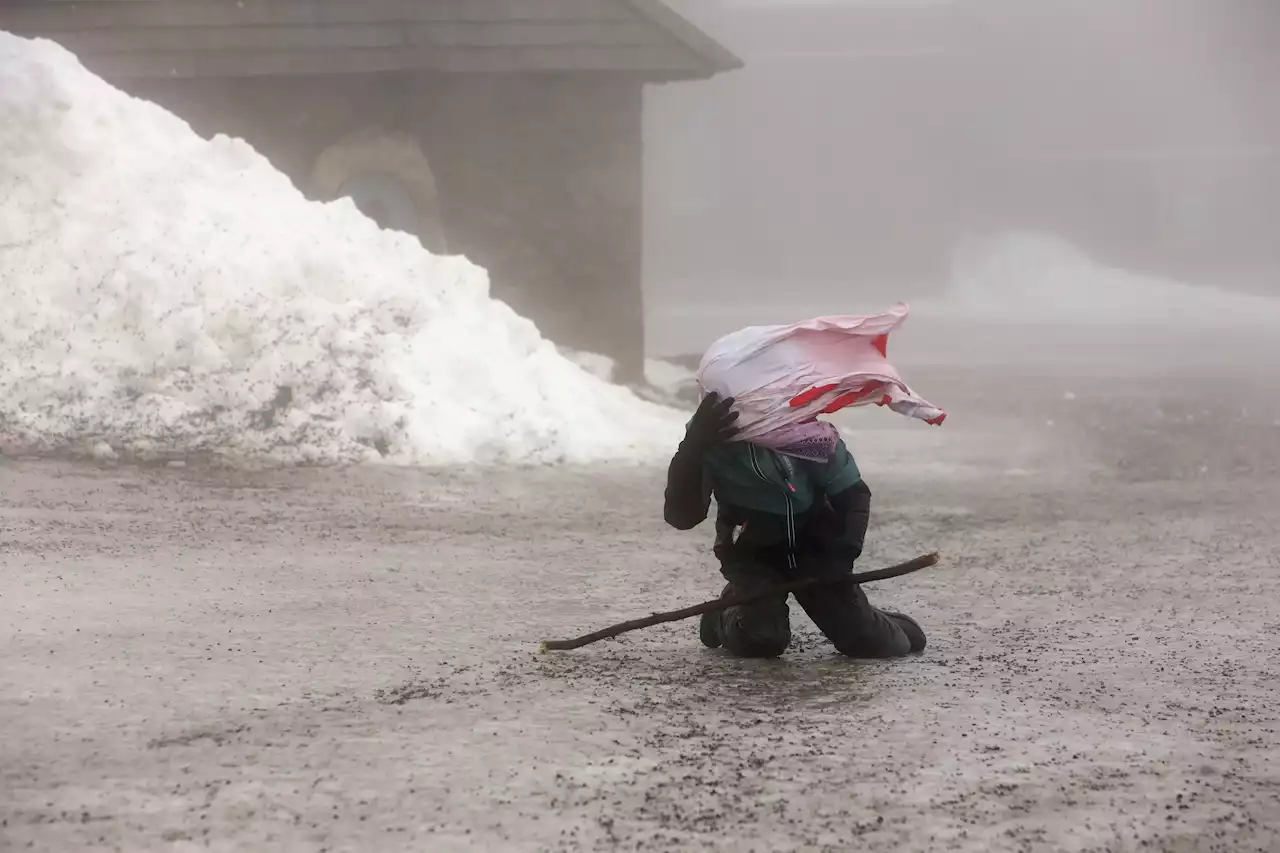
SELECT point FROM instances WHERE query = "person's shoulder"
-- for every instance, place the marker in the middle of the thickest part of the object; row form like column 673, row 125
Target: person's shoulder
column 843, row 456
column 730, row 460
column 838, row 472
column 727, row 452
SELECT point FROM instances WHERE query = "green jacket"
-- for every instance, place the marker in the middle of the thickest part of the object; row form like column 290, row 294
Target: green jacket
column 756, row 479
column 768, row 503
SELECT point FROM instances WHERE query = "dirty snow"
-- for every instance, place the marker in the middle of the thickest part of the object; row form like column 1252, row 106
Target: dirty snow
column 167, row 294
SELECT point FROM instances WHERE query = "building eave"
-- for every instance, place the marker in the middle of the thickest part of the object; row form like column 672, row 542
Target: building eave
column 712, row 57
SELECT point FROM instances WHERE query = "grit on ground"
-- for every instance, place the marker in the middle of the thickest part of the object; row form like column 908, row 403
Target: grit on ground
column 345, row 659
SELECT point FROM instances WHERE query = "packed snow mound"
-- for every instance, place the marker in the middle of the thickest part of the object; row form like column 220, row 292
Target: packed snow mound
column 165, row 294
column 665, row 382
column 674, row 381
column 1038, row 279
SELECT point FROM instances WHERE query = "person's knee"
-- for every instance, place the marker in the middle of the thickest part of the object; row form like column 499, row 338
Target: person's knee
column 757, row 631
column 855, row 627
column 747, row 646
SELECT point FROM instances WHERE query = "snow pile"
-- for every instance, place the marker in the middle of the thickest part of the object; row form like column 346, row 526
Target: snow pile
column 673, row 381
column 600, row 366
column 168, row 294
column 665, row 382
column 1037, row 279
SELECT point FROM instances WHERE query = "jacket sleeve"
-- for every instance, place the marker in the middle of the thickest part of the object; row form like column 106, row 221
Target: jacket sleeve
column 688, row 495
column 852, row 509
column 847, row 508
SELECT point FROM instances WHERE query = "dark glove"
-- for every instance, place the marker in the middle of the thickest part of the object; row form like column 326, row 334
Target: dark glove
column 688, row 494
column 712, row 424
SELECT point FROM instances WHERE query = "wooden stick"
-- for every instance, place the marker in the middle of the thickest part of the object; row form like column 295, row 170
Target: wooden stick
column 899, row 570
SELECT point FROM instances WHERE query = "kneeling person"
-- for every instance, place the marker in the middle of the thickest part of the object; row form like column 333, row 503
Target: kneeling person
column 781, row 518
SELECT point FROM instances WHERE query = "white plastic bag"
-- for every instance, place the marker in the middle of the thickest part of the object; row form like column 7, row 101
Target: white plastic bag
column 785, row 375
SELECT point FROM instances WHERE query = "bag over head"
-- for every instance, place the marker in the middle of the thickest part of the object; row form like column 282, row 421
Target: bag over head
column 783, row 377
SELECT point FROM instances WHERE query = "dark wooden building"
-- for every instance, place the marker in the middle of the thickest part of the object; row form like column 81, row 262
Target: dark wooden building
column 505, row 130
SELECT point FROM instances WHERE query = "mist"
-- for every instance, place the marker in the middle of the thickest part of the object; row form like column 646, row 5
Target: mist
column 1049, row 163
column 327, row 407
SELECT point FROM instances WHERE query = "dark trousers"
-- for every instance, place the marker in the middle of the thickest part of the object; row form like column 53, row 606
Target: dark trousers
column 840, row 609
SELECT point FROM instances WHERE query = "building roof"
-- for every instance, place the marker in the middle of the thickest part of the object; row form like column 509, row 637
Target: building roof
column 715, row 56
column 222, row 38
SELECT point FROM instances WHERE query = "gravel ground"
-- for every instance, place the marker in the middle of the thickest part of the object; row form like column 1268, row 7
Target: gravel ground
column 200, row 658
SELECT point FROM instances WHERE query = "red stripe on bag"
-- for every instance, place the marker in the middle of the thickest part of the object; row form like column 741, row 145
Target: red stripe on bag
column 804, row 398
column 843, row 400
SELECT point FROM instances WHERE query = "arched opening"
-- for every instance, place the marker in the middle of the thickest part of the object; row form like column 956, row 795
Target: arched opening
column 389, row 179
column 383, row 199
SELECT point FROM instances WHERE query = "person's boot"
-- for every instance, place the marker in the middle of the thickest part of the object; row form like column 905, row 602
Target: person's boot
column 709, row 626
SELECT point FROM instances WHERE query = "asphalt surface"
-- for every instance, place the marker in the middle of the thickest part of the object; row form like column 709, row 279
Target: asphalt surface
column 202, row 658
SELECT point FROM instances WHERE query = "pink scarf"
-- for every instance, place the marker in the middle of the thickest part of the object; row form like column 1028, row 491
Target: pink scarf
column 812, row 440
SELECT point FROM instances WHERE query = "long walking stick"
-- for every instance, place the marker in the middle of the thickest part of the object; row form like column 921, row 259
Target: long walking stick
column 899, row 570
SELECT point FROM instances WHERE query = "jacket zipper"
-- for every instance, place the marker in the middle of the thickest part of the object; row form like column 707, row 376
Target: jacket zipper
column 788, row 490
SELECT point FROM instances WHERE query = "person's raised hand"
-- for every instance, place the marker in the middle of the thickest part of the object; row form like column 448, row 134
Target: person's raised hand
column 713, row 423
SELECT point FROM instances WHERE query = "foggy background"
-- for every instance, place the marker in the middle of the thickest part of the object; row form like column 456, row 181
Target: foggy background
column 865, row 142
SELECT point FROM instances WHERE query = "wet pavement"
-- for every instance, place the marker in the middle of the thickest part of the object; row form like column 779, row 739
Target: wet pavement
column 201, row 658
